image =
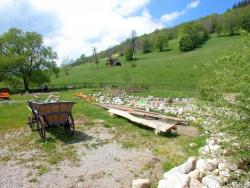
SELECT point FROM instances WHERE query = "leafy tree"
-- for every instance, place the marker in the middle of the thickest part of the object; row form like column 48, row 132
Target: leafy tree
column 132, row 44
column 231, row 22
column 191, row 36
column 160, row 41
column 23, row 56
column 128, row 54
column 185, row 42
column 146, row 46
column 244, row 18
column 66, row 65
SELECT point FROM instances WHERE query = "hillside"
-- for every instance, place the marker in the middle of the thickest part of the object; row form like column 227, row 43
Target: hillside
column 169, row 67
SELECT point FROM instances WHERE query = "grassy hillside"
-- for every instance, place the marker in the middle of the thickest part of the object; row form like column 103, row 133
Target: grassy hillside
column 169, row 67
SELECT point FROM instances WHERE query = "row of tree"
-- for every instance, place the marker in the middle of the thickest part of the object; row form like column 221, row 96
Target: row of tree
column 242, row 3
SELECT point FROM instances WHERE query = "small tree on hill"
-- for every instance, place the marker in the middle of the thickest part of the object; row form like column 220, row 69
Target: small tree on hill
column 160, row 42
column 128, row 54
column 132, row 44
column 146, row 46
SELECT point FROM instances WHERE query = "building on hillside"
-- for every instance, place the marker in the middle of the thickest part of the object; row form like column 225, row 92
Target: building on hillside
column 113, row 62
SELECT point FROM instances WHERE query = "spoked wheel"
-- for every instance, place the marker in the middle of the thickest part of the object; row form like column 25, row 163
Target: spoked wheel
column 70, row 125
column 41, row 129
column 31, row 122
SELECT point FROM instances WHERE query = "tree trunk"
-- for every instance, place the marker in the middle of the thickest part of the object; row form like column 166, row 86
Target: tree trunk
column 26, row 85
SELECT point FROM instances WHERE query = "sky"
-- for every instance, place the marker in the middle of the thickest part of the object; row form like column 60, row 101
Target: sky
column 73, row 27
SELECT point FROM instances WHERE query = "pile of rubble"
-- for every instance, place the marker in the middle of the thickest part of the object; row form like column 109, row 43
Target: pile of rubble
column 173, row 106
column 211, row 169
column 204, row 172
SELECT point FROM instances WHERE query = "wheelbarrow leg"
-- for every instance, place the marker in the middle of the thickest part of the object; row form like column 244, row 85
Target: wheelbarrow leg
column 41, row 129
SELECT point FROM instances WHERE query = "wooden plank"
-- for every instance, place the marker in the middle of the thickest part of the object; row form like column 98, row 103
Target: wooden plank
column 157, row 125
column 144, row 113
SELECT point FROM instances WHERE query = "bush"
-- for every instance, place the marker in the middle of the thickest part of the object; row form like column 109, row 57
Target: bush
column 160, row 41
column 186, row 43
column 146, row 46
column 128, row 54
column 227, row 84
column 190, row 36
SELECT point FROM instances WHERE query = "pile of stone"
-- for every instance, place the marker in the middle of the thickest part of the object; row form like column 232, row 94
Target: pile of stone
column 173, row 106
column 211, row 169
column 204, row 172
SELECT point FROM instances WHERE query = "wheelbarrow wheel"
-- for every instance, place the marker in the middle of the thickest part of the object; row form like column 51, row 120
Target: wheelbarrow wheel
column 70, row 125
column 30, row 123
column 41, row 129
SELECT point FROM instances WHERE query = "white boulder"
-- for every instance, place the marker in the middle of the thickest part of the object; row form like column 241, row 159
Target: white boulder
column 141, row 183
column 194, row 183
column 194, row 174
column 185, row 168
column 175, row 181
column 211, row 181
column 207, row 165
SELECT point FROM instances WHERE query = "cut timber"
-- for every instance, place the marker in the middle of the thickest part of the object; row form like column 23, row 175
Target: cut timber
column 159, row 126
column 145, row 114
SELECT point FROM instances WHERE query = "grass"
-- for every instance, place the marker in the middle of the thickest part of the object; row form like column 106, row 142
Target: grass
column 176, row 69
column 170, row 148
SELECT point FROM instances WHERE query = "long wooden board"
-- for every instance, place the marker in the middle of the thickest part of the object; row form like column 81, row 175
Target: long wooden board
column 159, row 126
column 144, row 113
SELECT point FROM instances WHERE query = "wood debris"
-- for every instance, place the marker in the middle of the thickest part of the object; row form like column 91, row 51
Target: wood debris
column 159, row 122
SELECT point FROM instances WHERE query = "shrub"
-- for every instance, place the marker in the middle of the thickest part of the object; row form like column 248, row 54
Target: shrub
column 191, row 36
column 160, row 41
column 128, row 54
column 146, row 46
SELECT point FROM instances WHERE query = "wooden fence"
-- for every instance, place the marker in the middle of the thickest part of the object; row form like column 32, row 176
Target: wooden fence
column 99, row 85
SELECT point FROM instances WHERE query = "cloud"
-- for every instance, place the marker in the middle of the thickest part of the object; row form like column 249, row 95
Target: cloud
column 172, row 16
column 193, row 4
column 80, row 25
column 168, row 18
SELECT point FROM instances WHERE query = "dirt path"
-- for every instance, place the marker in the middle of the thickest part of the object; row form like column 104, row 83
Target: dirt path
column 101, row 162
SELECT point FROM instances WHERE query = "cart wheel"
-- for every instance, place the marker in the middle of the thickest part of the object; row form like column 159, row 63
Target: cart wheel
column 70, row 126
column 30, row 123
column 41, row 129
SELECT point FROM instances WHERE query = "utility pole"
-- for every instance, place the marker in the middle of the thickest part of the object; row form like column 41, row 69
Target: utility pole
column 95, row 57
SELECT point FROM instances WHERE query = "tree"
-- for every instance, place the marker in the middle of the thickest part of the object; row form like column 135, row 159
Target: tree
column 231, row 22
column 66, row 62
column 128, row 54
column 191, row 36
column 23, row 56
column 146, row 46
column 132, row 44
column 160, row 41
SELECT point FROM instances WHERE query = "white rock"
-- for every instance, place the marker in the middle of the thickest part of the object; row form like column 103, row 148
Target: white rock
column 194, row 174
column 141, row 183
column 191, row 145
column 185, row 168
column 211, row 181
column 194, row 183
column 227, row 165
column 210, row 142
column 214, row 147
column 206, row 165
column 216, row 172
column 214, row 162
column 176, row 181
column 224, row 173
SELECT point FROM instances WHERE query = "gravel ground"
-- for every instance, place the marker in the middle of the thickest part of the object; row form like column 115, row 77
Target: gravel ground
column 102, row 163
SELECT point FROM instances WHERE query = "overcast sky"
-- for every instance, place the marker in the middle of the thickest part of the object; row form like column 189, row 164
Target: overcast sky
column 73, row 27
